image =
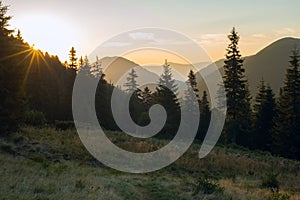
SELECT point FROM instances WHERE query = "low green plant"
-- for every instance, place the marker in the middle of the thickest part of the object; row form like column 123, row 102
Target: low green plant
column 80, row 184
column 271, row 182
column 278, row 196
column 35, row 118
column 64, row 125
column 7, row 148
column 207, row 186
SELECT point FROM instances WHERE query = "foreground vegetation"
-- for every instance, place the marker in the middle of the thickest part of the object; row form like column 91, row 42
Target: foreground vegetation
column 49, row 164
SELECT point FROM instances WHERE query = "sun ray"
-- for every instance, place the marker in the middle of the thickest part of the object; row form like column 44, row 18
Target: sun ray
column 15, row 54
column 29, row 68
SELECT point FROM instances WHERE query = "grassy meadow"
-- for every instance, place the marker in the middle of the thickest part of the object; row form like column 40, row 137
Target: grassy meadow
column 50, row 164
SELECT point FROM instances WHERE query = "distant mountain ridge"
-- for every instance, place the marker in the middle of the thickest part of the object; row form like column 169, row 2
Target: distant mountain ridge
column 269, row 64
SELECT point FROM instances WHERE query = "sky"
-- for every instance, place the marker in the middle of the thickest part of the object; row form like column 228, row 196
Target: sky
column 55, row 26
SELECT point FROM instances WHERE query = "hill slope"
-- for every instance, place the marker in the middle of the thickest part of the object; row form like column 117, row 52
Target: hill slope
column 269, row 64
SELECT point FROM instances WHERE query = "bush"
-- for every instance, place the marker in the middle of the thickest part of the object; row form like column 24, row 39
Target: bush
column 271, row 182
column 278, row 196
column 64, row 125
column 207, row 186
column 8, row 148
column 80, row 184
column 35, row 118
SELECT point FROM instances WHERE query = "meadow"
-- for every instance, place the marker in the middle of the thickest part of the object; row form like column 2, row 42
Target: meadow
column 44, row 163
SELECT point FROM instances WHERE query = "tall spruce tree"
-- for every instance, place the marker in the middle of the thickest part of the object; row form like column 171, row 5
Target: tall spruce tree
column 238, row 120
column 165, row 95
column 73, row 59
column 191, row 94
column 4, row 21
column 131, row 85
column 12, row 104
column 287, row 138
column 193, row 82
column 204, row 116
column 135, row 104
column 264, row 114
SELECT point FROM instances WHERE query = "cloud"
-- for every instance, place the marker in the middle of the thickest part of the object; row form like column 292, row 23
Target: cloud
column 142, row 36
column 116, row 44
column 285, row 31
column 259, row 36
column 212, row 38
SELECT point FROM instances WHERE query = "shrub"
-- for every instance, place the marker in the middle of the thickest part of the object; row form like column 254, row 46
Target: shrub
column 80, row 184
column 8, row 148
column 64, row 125
column 35, row 118
column 271, row 182
column 278, row 196
column 207, row 186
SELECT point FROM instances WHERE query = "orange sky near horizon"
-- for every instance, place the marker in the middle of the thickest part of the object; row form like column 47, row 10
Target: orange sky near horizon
column 53, row 27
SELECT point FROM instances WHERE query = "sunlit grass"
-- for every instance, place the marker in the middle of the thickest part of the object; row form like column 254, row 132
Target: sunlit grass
column 49, row 164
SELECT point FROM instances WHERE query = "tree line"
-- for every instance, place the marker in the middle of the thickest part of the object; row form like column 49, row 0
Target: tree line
column 36, row 88
column 271, row 124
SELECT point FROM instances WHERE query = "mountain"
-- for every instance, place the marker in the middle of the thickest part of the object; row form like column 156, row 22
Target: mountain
column 269, row 64
column 118, row 68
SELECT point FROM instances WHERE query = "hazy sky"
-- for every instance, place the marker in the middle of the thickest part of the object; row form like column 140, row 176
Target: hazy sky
column 56, row 25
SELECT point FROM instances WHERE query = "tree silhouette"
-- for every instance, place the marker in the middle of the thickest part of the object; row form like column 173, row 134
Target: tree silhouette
column 287, row 138
column 204, row 116
column 131, row 84
column 264, row 114
column 237, row 93
column 4, row 21
column 73, row 59
column 165, row 95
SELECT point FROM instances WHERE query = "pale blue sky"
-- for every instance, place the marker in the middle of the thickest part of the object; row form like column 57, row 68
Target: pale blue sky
column 86, row 24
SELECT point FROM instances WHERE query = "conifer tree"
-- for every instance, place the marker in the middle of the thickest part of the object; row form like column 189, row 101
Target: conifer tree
column 81, row 62
column 238, row 120
column 146, row 97
column 264, row 114
column 193, row 82
column 191, row 94
column 165, row 95
column 131, row 84
column 19, row 36
column 204, row 116
column 73, row 59
column 12, row 101
column 287, row 138
column 4, row 21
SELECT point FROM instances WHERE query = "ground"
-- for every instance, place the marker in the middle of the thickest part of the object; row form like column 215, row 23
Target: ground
column 49, row 164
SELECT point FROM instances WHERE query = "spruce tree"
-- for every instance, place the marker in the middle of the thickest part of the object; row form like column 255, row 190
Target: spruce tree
column 12, row 101
column 287, row 138
column 4, row 21
column 204, row 116
column 191, row 94
column 264, row 114
column 193, row 82
column 131, row 84
column 238, row 121
column 19, row 36
column 73, row 59
column 165, row 95
column 81, row 62
column 146, row 97
column 96, row 69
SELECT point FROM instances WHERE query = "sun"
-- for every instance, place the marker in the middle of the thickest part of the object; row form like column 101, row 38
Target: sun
column 33, row 47
column 48, row 33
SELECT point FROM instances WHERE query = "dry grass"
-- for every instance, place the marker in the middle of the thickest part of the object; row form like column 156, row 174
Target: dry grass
column 49, row 164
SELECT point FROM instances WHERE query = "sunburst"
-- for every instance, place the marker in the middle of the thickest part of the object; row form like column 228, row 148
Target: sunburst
column 32, row 53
